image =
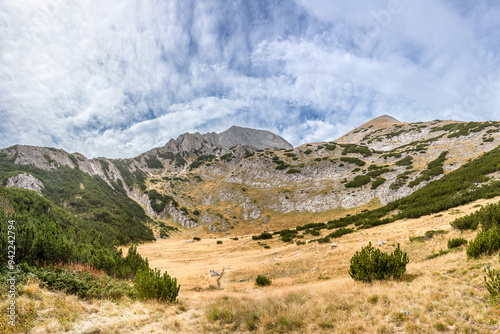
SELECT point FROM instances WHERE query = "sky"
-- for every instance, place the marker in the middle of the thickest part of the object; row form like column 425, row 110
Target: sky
column 117, row 78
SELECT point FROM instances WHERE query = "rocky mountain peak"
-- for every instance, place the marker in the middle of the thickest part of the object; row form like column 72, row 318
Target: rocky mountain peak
column 235, row 135
column 260, row 139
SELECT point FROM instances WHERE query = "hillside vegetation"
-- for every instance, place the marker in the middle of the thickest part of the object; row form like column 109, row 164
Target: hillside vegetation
column 419, row 192
column 99, row 206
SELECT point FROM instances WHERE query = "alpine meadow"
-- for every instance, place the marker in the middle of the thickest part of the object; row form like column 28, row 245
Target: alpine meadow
column 249, row 166
column 392, row 227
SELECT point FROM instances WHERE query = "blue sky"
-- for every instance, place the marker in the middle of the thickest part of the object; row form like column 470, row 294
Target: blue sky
column 117, row 78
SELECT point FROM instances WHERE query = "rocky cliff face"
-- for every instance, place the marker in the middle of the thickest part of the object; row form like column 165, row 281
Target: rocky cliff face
column 25, row 181
column 219, row 180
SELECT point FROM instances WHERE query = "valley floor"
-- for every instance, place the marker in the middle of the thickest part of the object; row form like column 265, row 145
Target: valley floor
column 311, row 290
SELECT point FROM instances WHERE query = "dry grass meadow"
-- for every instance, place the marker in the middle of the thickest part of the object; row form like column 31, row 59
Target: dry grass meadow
column 311, row 290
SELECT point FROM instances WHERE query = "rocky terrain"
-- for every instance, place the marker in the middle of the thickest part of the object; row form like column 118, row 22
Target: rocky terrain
column 243, row 176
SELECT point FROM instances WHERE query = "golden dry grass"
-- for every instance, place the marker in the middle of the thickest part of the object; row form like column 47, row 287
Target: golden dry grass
column 311, row 290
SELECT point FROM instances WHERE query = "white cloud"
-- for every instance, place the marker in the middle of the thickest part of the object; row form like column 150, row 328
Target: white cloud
column 91, row 76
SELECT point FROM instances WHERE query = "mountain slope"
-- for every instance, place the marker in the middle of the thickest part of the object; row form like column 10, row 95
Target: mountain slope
column 197, row 180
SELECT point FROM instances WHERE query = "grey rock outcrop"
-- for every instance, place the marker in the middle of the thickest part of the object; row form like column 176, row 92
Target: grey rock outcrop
column 25, row 181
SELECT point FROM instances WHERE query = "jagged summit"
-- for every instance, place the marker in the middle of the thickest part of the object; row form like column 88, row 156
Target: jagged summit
column 235, row 135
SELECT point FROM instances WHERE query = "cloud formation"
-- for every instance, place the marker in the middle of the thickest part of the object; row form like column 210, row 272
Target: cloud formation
column 90, row 76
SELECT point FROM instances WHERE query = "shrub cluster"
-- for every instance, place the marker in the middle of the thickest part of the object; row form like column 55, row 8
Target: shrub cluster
column 486, row 242
column 356, row 161
column 153, row 163
column 151, row 284
column 358, row 181
column 353, row 148
column 262, row 236
column 262, row 280
column 84, row 284
column 456, row 242
column 372, row 264
column 492, row 281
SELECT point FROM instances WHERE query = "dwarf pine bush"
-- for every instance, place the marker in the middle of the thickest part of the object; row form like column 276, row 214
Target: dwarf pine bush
column 262, row 280
column 456, row 242
column 150, row 284
column 372, row 264
column 492, row 281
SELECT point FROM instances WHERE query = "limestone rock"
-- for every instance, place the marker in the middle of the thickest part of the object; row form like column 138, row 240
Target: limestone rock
column 25, row 181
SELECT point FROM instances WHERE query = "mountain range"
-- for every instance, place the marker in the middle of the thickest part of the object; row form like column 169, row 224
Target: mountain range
column 247, row 179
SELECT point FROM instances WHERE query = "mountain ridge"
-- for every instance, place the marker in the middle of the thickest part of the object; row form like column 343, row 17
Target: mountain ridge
column 195, row 181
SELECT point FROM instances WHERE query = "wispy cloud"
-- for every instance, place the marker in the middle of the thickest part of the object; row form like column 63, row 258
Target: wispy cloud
column 90, row 76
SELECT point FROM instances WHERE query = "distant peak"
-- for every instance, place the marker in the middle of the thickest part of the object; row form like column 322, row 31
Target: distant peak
column 385, row 119
column 379, row 122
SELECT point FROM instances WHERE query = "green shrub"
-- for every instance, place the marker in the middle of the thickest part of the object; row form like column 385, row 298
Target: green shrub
column 262, row 280
column 358, row 181
column 486, row 242
column 227, row 157
column 262, row 236
column 469, row 222
column 456, row 242
column 308, row 151
column 431, row 233
column 293, row 171
column 418, row 238
column 353, row 148
column 434, row 168
column 150, row 284
column 153, row 163
column 84, row 284
column 287, row 235
column 219, row 242
column 372, row 264
column 440, row 253
column 314, row 233
column 492, row 281
column 378, row 182
column 330, row 147
column 355, row 161
column 405, row 161
column 340, row 232
column 196, row 239
column 391, row 155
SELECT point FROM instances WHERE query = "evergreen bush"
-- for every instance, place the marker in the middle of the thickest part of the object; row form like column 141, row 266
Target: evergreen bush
column 486, row 242
column 456, row 242
column 151, row 284
column 492, row 281
column 262, row 280
column 372, row 264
